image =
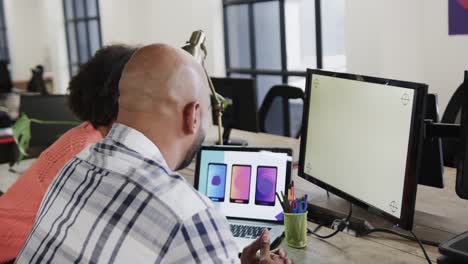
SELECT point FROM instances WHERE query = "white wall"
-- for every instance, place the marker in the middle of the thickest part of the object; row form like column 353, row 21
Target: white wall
column 36, row 35
column 56, row 48
column 169, row 22
column 36, row 31
column 406, row 40
column 25, row 28
column 445, row 57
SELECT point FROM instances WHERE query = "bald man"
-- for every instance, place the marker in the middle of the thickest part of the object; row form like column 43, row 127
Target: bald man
column 121, row 201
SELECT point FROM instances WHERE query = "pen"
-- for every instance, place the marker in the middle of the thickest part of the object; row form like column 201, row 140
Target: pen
column 287, row 207
column 281, row 202
column 293, row 195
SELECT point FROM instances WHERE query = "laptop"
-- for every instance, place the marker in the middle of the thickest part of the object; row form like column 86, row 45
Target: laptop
column 242, row 183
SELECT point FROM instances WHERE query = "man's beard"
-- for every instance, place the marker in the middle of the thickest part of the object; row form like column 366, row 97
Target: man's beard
column 193, row 150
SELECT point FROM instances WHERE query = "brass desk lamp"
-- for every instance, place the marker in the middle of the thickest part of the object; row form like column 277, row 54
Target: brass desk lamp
column 196, row 47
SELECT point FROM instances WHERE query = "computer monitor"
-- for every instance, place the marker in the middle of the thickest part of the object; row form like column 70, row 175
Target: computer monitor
column 452, row 115
column 461, row 186
column 455, row 250
column 454, row 136
column 362, row 140
column 432, row 164
column 242, row 113
column 46, row 108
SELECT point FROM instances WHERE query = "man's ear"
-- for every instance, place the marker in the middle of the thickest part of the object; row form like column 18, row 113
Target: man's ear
column 192, row 117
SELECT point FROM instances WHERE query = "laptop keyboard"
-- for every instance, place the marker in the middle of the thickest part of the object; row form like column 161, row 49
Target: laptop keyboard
column 245, row 231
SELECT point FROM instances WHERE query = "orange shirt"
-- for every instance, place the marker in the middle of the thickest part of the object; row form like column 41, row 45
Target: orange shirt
column 19, row 205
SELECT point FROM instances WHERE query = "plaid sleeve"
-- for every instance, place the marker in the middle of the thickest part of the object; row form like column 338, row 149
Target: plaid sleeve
column 205, row 237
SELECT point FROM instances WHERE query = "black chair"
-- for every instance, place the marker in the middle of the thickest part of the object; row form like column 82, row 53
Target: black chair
column 5, row 78
column 47, row 108
column 281, row 111
column 8, row 149
column 452, row 116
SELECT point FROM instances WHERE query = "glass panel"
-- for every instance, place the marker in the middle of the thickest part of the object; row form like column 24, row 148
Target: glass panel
column 238, row 36
column 274, row 120
column 300, row 34
column 72, row 42
column 5, row 39
column 296, row 106
column 80, row 8
column 241, row 75
column 2, row 39
column 267, row 35
column 295, row 116
column 82, row 42
column 91, row 7
column 333, row 35
column 264, row 84
column 229, row 1
column 3, row 46
column 74, row 69
column 94, row 35
column 297, row 81
column 68, row 9
column 3, row 54
column 2, row 15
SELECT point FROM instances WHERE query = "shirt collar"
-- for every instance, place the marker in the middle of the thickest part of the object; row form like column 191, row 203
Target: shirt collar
column 136, row 141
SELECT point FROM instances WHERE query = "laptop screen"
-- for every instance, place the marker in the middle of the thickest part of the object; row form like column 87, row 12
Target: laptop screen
column 242, row 182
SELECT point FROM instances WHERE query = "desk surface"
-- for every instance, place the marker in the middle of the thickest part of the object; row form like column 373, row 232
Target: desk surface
column 440, row 215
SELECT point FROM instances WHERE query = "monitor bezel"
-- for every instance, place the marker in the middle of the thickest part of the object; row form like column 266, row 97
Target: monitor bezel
column 287, row 151
column 413, row 162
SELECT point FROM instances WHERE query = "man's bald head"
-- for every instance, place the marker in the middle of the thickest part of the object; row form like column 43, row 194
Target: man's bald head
column 160, row 74
column 164, row 94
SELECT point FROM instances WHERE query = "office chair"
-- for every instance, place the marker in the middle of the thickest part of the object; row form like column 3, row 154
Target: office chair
column 281, row 111
column 47, row 108
column 37, row 84
column 5, row 79
column 452, row 116
column 8, row 149
column 242, row 113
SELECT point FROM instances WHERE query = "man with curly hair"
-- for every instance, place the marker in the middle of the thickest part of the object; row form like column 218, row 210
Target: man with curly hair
column 94, row 100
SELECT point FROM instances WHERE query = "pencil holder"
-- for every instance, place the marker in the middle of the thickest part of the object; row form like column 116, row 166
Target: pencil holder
column 295, row 229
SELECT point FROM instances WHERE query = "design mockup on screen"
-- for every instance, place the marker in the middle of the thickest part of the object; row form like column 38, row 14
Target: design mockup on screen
column 240, row 183
column 266, row 185
column 216, row 183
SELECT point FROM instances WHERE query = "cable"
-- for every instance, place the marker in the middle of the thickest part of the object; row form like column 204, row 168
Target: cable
column 414, row 238
column 344, row 223
column 389, row 231
column 341, row 226
column 422, row 247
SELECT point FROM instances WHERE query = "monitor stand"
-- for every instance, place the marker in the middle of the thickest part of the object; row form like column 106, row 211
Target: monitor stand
column 432, row 167
column 325, row 217
column 231, row 142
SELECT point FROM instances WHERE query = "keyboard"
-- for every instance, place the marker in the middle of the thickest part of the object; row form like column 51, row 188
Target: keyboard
column 245, row 231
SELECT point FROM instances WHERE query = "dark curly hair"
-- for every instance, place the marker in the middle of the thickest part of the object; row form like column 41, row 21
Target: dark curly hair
column 94, row 91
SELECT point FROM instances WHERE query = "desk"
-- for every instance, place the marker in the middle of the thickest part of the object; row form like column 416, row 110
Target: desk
column 440, row 214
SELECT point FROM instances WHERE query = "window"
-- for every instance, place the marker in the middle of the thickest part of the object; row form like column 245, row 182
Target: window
column 83, row 31
column 4, row 52
column 274, row 41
